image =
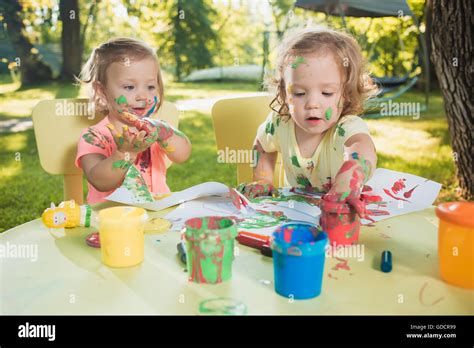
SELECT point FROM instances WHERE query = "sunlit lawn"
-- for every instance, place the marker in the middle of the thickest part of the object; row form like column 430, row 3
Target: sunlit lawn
column 420, row 147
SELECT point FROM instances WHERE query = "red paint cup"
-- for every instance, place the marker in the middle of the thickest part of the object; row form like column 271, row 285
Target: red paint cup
column 341, row 223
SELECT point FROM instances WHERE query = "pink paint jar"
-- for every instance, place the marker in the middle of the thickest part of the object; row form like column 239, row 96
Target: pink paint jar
column 341, row 223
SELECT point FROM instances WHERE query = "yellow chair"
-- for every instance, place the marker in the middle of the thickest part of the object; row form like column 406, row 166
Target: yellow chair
column 57, row 125
column 236, row 121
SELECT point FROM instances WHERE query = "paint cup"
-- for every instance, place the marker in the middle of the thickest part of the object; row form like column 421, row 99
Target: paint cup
column 121, row 236
column 298, row 260
column 209, row 249
column 456, row 243
column 341, row 222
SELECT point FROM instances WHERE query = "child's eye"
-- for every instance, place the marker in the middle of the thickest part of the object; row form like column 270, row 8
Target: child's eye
column 151, row 87
column 299, row 94
column 128, row 87
column 327, row 94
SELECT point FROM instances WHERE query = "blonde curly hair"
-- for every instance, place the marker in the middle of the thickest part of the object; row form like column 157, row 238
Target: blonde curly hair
column 358, row 86
column 121, row 50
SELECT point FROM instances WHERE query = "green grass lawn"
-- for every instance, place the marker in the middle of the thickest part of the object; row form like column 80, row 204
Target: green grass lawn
column 420, row 147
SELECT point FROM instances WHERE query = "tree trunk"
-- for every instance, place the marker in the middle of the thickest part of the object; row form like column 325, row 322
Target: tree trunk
column 451, row 40
column 70, row 39
column 434, row 84
column 32, row 68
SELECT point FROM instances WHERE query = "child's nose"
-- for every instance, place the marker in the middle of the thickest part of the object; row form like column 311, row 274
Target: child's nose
column 313, row 102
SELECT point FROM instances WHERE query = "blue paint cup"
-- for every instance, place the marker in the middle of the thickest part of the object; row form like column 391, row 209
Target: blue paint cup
column 298, row 259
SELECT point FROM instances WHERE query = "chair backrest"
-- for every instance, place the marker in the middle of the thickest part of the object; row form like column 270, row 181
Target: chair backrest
column 57, row 125
column 236, row 121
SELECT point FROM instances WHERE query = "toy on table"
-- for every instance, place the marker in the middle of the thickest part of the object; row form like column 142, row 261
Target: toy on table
column 69, row 215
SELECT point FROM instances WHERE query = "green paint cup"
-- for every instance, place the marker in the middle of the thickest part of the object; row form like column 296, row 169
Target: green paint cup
column 209, row 249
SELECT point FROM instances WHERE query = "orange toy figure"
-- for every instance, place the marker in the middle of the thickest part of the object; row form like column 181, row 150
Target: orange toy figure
column 67, row 214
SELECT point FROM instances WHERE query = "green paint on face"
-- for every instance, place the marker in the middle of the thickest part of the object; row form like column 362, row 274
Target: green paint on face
column 328, row 113
column 121, row 100
column 298, row 60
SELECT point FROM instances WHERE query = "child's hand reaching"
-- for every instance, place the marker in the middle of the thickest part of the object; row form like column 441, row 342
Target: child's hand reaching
column 257, row 188
column 348, row 183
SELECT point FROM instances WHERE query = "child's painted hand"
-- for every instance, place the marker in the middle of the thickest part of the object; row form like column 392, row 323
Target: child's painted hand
column 156, row 129
column 132, row 142
column 348, row 183
column 256, row 189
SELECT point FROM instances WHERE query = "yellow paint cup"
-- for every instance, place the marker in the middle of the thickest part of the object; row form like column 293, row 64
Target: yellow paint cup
column 122, row 239
column 456, row 243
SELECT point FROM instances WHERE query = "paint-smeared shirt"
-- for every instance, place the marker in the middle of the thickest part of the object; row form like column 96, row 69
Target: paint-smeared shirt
column 277, row 134
column 150, row 163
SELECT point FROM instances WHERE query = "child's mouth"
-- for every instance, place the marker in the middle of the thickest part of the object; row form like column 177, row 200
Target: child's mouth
column 139, row 111
column 313, row 120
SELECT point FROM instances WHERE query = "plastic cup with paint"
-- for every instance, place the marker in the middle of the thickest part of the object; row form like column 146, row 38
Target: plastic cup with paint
column 456, row 243
column 209, row 249
column 341, row 222
column 121, row 236
column 298, row 260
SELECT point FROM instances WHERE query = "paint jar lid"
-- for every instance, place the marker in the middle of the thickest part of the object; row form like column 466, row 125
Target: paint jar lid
column 459, row 213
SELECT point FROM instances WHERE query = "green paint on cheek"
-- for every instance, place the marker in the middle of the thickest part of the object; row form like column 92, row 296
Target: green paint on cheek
column 328, row 113
column 121, row 100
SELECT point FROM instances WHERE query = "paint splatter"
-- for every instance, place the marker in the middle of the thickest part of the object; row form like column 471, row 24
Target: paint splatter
column 331, row 276
column 294, row 161
column 410, row 192
column 270, row 128
column 135, row 183
column 95, row 138
column 122, row 164
column 340, row 131
column 398, row 185
column 394, row 197
column 343, row 264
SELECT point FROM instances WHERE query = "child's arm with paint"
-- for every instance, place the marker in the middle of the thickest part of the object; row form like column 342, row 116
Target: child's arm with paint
column 173, row 141
column 359, row 166
column 262, row 173
column 107, row 173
